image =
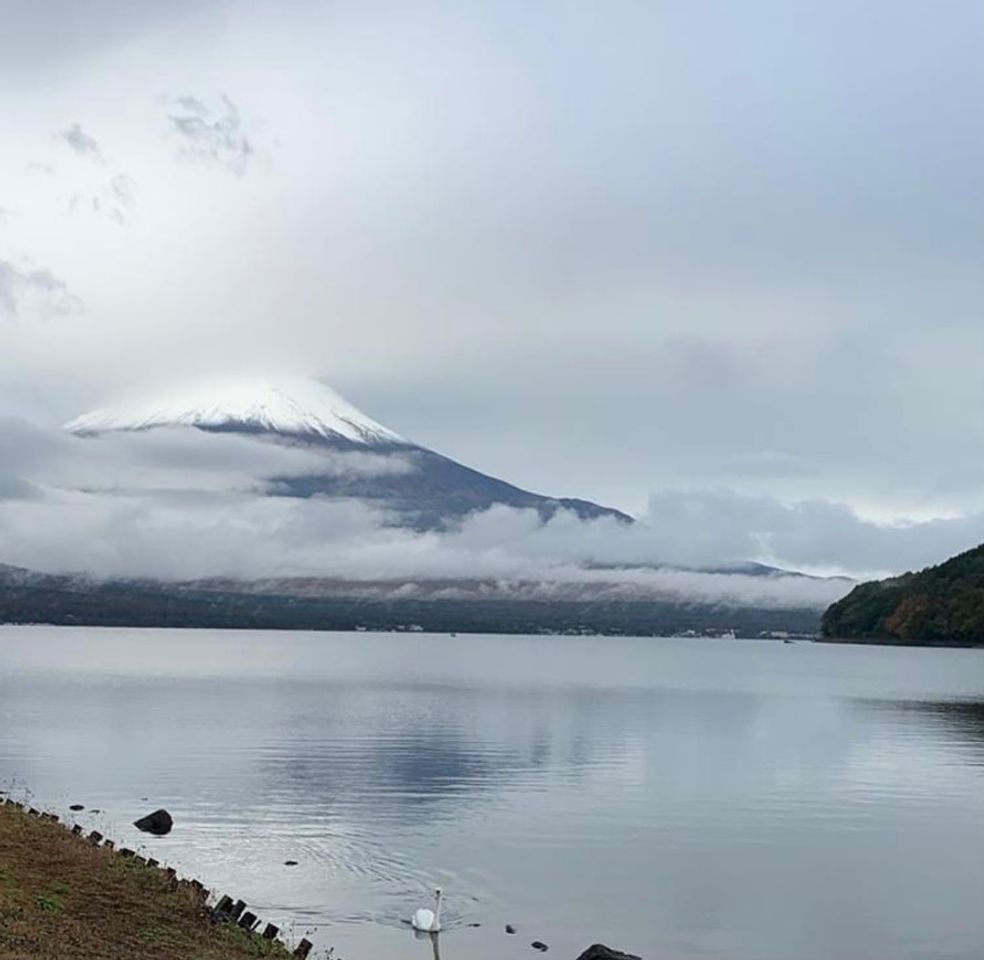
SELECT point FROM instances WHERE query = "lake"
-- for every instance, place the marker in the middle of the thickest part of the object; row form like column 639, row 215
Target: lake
column 742, row 800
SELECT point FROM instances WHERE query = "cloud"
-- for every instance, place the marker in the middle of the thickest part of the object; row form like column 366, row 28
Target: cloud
column 186, row 535
column 660, row 248
column 81, row 143
column 115, row 200
column 28, row 293
column 168, row 462
column 179, row 503
column 187, row 503
column 212, row 137
column 701, row 527
column 192, row 105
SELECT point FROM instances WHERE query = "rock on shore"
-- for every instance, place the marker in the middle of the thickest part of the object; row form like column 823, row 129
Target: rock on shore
column 158, row 823
column 598, row 951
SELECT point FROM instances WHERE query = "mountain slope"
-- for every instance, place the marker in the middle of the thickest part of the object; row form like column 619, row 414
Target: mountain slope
column 431, row 491
column 941, row 605
column 465, row 606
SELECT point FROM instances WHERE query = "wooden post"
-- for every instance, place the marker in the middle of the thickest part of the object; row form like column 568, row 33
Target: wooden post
column 152, row 863
column 109, row 845
column 247, row 920
column 77, row 830
column 237, row 908
column 224, row 905
column 303, row 949
column 95, row 838
column 270, row 932
column 125, row 852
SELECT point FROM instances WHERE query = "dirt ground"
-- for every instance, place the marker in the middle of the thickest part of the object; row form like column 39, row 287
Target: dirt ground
column 63, row 899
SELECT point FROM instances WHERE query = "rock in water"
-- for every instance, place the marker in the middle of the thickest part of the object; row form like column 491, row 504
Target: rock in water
column 598, row 951
column 539, row 945
column 76, row 807
column 510, row 928
column 158, row 823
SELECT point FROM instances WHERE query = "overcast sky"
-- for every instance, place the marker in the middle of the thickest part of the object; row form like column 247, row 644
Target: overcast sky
column 648, row 253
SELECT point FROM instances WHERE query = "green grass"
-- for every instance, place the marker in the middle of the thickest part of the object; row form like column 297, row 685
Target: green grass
column 49, row 904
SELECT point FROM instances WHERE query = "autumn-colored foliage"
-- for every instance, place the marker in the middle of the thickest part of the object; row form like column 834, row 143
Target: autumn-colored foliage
column 939, row 605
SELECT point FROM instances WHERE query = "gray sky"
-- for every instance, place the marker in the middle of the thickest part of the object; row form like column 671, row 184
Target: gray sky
column 646, row 253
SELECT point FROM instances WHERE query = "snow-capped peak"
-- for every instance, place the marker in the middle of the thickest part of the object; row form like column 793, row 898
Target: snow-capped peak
column 291, row 406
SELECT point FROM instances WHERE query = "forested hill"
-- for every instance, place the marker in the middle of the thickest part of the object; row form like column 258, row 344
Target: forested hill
column 942, row 605
column 468, row 607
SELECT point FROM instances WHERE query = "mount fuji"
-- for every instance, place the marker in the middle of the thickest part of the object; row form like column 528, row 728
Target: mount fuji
column 428, row 492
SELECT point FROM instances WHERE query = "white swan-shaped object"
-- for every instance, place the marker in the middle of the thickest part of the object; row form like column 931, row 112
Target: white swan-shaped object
column 429, row 921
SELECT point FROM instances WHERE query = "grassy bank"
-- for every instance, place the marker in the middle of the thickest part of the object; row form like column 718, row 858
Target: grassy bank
column 62, row 898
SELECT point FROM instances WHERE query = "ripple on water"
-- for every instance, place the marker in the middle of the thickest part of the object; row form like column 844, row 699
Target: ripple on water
column 679, row 800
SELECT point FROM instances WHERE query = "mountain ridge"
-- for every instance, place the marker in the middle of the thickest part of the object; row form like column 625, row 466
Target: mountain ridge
column 475, row 606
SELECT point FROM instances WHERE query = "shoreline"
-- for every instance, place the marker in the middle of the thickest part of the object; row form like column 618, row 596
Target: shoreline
column 76, row 896
column 899, row 642
column 797, row 639
column 70, row 895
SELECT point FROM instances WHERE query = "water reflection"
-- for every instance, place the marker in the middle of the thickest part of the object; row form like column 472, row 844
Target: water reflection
column 958, row 725
column 677, row 799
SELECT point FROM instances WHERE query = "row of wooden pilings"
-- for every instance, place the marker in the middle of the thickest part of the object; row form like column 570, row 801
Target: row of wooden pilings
column 226, row 910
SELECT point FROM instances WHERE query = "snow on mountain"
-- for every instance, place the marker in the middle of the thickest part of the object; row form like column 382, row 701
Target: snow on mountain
column 288, row 406
column 434, row 494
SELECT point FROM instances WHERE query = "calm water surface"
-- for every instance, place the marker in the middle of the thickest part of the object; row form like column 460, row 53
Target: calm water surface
column 676, row 798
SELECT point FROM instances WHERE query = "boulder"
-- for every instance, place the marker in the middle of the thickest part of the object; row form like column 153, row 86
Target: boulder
column 158, row 823
column 598, row 951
